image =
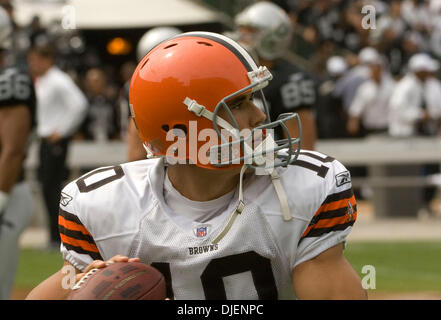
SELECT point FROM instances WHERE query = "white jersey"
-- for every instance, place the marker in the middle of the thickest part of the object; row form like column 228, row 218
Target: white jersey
column 121, row 210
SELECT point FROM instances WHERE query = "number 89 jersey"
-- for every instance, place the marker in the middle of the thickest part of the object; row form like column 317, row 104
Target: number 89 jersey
column 16, row 88
column 121, row 210
column 290, row 90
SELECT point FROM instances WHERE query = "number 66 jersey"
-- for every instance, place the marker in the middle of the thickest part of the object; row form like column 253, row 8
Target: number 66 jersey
column 121, row 210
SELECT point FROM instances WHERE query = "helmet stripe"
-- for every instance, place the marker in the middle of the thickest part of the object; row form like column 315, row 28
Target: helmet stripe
column 230, row 44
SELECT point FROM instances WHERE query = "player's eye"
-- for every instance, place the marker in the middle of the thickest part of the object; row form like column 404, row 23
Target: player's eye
column 235, row 106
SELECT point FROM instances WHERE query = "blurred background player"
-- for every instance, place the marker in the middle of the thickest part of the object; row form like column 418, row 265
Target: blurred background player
column 265, row 30
column 17, row 118
column 150, row 39
column 61, row 108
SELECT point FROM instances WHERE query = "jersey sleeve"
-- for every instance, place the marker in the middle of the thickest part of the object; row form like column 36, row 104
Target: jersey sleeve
column 333, row 220
column 77, row 244
column 99, row 215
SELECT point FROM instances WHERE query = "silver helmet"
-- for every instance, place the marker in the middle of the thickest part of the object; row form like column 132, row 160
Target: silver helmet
column 273, row 29
column 153, row 37
column 5, row 30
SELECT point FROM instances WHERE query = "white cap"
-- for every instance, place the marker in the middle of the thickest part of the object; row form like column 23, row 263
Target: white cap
column 336, row 65
column 423, row 62
column 369, row 55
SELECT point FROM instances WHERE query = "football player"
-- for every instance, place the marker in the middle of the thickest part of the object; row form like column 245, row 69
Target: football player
column 17, row 114
column 265, row 29
column 221, row 209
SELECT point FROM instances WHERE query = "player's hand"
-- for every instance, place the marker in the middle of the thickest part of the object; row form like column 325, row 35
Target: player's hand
column 99, row 264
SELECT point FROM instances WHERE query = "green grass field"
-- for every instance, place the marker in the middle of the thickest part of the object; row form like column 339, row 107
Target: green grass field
column 399, row 266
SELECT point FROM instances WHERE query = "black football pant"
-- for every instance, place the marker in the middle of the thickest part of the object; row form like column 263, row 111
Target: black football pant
column 52, row 174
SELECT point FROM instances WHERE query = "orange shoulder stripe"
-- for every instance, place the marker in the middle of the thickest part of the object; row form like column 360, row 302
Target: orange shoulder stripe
column 79, row 243
column 72, row 225
column 335, row 205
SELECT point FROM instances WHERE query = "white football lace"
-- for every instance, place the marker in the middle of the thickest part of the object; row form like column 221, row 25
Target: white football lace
column 84, row 279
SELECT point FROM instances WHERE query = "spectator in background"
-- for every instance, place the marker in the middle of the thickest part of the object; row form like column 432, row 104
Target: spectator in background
column 101, row 123
column 389, row 34
column 135, row 149
column 331, row 115
column 61, row 107
column 407, row 105
column 412, row 105
column 368, row 112
column 266, row 30
column 354, row 77
column 432, row 94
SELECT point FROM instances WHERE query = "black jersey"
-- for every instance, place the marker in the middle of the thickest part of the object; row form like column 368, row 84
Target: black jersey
column 17, row 88
column 290, row 90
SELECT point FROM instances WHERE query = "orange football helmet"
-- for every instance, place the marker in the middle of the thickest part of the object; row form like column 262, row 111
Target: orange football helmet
column 182, row 84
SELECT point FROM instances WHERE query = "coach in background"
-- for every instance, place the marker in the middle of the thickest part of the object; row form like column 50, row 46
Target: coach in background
column 17, row 117
column 61, row 108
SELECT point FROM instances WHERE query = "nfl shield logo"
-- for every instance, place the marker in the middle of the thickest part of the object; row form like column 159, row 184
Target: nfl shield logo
column 201, row 232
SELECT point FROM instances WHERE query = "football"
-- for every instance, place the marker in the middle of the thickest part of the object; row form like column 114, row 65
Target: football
column 121, row 281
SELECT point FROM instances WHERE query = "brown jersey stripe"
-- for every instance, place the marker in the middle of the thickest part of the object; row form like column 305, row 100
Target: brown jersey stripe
column 348, row 193
column 85, row 245
column 78, row 235
column 329, row 223
column 332, row 209
column 69, row 216
column 332, row 214
column 320, row 231
column 73, row 226
column 80, row 250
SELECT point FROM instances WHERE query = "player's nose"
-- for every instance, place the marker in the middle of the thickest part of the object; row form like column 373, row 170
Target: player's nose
column 258, row 116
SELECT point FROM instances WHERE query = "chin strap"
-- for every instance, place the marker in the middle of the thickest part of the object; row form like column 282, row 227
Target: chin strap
column 239, row 208
column 275, row 179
